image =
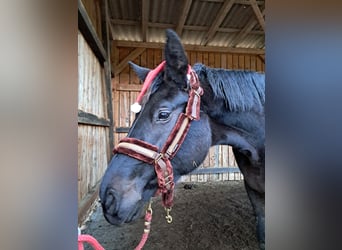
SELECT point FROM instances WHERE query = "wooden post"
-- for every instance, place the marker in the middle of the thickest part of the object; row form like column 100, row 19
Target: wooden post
column 107, row 71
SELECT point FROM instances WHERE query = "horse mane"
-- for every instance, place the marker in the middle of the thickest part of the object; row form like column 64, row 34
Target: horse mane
column 241, row 90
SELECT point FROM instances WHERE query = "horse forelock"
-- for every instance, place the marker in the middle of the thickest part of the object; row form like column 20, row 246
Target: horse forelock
column 240, row 90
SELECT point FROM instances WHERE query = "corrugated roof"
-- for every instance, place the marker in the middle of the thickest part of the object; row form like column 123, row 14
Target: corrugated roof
column 239, row 27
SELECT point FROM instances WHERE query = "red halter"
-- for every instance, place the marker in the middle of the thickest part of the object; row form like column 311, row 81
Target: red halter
column 149, row 153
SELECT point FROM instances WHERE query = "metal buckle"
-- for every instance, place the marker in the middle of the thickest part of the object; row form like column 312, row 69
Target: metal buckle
column 158, row 157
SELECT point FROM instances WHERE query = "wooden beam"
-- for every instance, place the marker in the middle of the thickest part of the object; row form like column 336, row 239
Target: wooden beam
column 227, row 5
column 131, row 56
column 107, row 72
column 88, row 31
column 262, row 58
column 183, row 16
column 144, row 18
column 258, row 14
column 190, row 47
column 127, row 87
column 245, row 31
column 91, row 119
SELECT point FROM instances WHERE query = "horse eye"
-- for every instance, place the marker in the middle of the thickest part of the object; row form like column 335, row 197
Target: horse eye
column 163, row 115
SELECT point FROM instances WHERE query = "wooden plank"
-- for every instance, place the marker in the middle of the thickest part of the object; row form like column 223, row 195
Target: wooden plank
column 183, row 16
column 247, row 62
column 189, row 47
column 88, row 31
column 241, row 63
column 224, row 61
column 91, row 119
column 211, row 60
column 200, row 57
column 149, row 59
column 253, row 62
column 157, row 57
column 235, row 61
column 230, row 61
column 227, row 5
column 193, row 57
column 217, row 60
column 259, row 65
column 91, row 81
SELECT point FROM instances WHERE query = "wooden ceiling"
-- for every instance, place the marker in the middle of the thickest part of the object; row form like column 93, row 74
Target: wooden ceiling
column 211, row 25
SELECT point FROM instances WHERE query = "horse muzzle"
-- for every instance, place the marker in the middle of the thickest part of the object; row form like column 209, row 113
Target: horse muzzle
column 117, row 210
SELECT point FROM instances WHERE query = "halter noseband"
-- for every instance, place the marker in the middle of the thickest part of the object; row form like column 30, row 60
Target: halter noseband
column 149, row 153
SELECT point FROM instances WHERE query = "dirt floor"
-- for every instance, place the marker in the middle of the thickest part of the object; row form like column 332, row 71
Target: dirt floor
column 205, row 216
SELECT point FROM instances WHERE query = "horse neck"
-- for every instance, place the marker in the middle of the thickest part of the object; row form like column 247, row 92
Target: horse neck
column 232, row 128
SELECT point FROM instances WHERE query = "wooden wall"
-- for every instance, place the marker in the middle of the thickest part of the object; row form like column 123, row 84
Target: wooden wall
column 93, row 150
column 95, row 123
column 126, row 86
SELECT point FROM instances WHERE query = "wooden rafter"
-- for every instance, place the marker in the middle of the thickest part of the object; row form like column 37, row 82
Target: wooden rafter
column 258, row 13
column 152, row 45
column 185, row 27
column 245, row 31
column 131, row 56
column 183, row 16
column 144, row 18
column 227, row 5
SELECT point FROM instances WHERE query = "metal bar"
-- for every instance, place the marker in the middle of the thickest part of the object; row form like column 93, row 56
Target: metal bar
column 216, row 170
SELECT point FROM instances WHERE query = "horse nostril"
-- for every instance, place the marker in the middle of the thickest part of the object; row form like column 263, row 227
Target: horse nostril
column 110, row 202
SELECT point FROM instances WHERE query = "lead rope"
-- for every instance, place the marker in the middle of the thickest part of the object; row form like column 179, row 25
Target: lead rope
column 84, row 238
column 88, row 239
column 148, row 219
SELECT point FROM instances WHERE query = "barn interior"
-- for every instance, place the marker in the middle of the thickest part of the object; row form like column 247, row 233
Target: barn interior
column 226, row 34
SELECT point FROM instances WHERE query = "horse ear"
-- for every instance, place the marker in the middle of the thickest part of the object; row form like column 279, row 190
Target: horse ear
column 176, row 59
column 140, row 71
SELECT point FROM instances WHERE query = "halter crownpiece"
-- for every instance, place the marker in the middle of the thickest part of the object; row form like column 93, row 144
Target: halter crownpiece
column 136, row 106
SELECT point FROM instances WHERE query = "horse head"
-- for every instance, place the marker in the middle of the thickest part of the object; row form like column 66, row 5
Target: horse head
column 129, row 183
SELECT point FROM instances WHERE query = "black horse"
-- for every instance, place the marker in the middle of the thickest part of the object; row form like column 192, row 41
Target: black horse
column 231, row 113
